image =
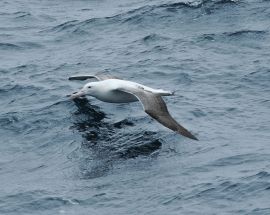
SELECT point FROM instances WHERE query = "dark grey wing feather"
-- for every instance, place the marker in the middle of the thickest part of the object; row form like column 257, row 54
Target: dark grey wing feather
column 155, row 106
column 81, row 77
column 100, row 76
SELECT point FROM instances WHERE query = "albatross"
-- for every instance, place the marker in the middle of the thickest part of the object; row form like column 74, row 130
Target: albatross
column 109, row 88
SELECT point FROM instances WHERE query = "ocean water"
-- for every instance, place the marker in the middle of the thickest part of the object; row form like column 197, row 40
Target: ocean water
column 59, row 156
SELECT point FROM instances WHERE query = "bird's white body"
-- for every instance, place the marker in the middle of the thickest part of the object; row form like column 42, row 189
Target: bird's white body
column 111, row 89
column 107, row 90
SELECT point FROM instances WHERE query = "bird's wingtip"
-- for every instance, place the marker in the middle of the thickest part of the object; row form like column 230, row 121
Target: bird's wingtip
column 195, row 138
column 70, row 78
column 189, row 135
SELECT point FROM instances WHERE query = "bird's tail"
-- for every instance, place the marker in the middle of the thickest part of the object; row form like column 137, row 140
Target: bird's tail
column 164, row 92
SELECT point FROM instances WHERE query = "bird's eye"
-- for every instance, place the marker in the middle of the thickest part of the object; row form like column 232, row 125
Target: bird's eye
column 89, row 87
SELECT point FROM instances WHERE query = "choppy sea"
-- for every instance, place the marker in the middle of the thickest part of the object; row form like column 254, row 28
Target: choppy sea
column 59, row 156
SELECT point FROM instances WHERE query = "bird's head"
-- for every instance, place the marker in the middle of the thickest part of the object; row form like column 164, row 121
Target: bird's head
column 88, row 89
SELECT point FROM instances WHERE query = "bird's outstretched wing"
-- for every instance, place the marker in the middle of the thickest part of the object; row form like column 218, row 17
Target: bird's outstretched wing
column 100, row 76
column 155, row 106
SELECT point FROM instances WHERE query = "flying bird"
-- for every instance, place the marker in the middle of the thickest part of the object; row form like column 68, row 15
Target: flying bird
column 112, row 89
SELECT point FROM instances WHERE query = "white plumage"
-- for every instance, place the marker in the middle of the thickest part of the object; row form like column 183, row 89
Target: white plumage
column 112, row 89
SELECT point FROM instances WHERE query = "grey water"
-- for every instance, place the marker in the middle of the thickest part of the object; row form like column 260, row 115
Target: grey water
column 59, row 156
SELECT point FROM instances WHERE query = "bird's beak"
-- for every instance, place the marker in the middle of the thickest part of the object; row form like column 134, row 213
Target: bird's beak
column 77, row 94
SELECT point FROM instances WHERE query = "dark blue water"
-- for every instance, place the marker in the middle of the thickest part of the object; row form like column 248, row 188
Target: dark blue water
column 59, row 156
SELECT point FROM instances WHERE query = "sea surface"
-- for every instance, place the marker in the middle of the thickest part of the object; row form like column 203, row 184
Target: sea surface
column 59, row 156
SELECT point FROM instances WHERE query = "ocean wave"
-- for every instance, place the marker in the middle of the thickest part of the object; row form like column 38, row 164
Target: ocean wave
column 154, row 37
column 240, row 159
column 233, row 36
column 10, row 46
column 30, row 45
column 123, row 123
column 260, row 175
column 20, row 46
column 260, row 77
column 14, row 121
column 179, row 5
column 37, row 200
column 137, row 15
column 17, row 14
column 151, row 39
column 245, row 33
column 6, row 121
column 65, row 25
column 28, row 120
column 19, row 89
column 22, row 14
column 228, row 190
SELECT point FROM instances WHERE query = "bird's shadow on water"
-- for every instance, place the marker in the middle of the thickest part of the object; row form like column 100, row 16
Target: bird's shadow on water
column 105, row 144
